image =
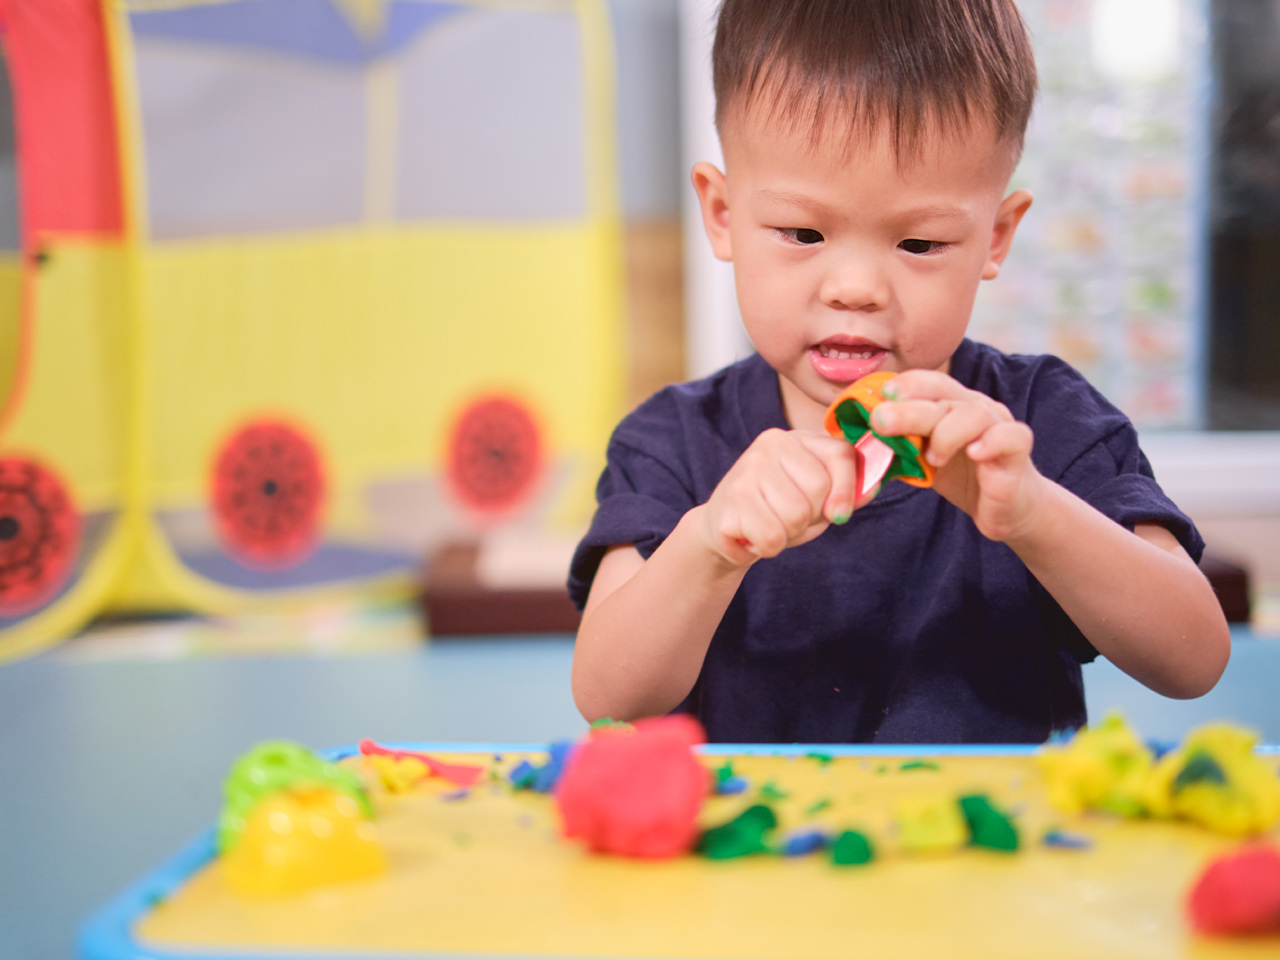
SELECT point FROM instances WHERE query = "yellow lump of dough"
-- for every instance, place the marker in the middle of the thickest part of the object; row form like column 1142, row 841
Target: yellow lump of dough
column 1102, row 767
column 397, row 774
column 298, row 839
column 931, row 824
column 1215, row 779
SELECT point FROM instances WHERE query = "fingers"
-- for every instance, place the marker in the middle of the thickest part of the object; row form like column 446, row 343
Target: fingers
column 950, row 423
column 1004, row 443
column 781, row 493
column 840, row 465
column 925, row 385
column 958, row 428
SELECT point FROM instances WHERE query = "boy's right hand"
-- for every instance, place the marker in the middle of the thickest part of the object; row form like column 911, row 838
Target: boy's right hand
column 785, row 489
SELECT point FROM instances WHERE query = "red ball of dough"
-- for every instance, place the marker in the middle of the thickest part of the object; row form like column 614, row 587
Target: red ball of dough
column 636, row 793
column 1238, row 893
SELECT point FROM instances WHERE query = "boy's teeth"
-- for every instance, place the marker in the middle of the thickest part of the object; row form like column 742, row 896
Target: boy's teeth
column 835, row 353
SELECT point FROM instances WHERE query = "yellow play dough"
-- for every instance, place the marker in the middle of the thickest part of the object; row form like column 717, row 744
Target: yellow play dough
column 300, row 839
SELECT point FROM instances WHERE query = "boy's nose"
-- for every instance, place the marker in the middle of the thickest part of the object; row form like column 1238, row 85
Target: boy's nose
column 855, row 283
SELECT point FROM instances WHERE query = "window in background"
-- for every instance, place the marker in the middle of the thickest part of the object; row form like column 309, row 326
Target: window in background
column 1244, row 299
column 1107, row 268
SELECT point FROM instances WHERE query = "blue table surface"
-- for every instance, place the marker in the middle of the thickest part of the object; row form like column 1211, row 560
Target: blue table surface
column 108, row 768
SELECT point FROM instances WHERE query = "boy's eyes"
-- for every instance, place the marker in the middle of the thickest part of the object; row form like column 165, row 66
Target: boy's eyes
column 807, row 237
column 922, row 246
column 802, row 235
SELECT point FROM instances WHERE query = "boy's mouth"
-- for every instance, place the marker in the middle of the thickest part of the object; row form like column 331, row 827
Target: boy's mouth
column 841, row 360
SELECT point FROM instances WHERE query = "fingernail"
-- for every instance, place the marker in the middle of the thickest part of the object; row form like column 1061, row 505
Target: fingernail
column 933, row 458
column 841, row 518
column 889, row 391
column 881, row 418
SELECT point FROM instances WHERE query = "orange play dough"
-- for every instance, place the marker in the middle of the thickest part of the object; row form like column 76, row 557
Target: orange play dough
column 869, row 391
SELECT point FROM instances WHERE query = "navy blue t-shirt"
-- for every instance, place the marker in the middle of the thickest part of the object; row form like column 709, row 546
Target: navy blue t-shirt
column 905, row 625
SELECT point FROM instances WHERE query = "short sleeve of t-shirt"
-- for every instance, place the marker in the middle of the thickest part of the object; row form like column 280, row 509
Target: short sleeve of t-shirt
column 1082, row 442
column 642, row 494
column 1089, row 447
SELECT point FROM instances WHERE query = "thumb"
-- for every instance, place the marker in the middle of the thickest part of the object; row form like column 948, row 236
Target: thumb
column 841, row 462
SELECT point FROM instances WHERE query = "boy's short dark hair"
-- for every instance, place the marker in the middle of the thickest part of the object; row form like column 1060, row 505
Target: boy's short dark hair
column 910, row 63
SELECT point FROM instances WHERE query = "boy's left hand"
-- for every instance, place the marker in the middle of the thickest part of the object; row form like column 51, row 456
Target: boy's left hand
column 982, row 453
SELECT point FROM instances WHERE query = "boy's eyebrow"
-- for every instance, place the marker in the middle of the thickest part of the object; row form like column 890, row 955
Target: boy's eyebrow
column 936, row 211
column 928, row 211
column 790, row 199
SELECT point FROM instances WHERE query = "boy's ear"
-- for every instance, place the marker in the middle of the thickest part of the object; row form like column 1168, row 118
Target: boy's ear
column 1008, row 216
column 713, row 197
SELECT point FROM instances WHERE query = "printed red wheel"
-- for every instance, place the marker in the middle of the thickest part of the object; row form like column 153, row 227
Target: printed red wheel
column 495, row 454
column 39, row 536
column 268, row 492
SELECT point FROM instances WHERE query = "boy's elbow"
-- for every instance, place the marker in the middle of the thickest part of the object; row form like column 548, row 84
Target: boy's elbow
column 590, row 709
column 1209, row 666
column 591, row 701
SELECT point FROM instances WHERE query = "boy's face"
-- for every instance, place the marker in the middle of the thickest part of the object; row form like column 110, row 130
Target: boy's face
column 847, row 262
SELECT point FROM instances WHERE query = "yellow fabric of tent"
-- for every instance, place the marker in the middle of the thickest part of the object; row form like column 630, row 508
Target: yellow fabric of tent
column 428, row 368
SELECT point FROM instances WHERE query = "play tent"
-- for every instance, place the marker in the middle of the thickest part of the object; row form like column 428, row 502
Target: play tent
column 291, row 290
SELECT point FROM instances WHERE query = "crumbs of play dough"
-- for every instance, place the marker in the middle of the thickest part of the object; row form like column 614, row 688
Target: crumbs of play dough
column 802, row 843
column 988, row 826
column 1066, row 841
column 931, row 824
column 727, row 782
column 745, row 834
column 852, row 848
column 918, row 764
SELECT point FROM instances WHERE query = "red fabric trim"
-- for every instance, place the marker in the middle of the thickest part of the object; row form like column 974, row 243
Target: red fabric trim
column 68, row 162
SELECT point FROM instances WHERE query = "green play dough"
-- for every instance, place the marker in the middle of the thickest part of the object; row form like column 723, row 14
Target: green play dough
column 608, row 723
column 743, row 835
column 274, row 766
column 851, row 848
column 988, row 827
column 919, row 765
column 854, row 421
column 1199, row 768
column 771, row 791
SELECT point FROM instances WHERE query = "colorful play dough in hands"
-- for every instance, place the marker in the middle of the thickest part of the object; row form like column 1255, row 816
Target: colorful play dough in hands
column 636, row 793
column 879, row 457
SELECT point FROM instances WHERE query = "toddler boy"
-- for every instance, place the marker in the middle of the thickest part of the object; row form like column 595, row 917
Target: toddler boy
column 868, row 148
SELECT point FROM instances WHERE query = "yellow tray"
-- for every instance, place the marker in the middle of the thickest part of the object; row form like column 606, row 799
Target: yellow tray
column 488, row 875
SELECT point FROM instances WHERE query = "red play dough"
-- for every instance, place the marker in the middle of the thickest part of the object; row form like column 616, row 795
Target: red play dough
column 636, row 793
column 1238, row 893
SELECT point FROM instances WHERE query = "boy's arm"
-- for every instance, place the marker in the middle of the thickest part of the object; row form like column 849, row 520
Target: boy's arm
column 1137, row 597
column 647, row 626
column 648, row 623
